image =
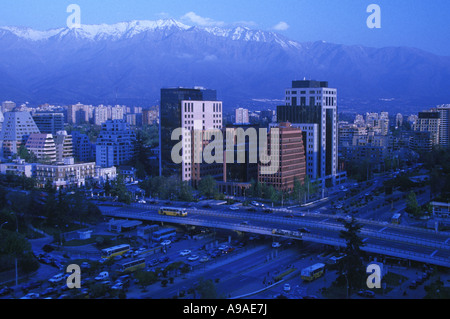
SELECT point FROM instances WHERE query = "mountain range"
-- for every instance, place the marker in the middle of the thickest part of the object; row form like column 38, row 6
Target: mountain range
column 128, row 63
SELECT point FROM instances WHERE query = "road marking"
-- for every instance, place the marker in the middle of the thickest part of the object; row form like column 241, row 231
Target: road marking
column 382, row 229
column 434, row 252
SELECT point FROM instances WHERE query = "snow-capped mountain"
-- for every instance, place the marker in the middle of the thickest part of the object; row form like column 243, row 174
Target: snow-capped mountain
column 130, row 62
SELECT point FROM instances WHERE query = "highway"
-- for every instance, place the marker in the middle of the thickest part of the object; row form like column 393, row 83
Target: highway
column 412, row 243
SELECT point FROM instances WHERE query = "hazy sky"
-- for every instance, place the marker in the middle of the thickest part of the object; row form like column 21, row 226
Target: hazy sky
column 414, row 23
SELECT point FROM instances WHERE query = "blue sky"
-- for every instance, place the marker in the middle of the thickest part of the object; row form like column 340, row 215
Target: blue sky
column 414, row 23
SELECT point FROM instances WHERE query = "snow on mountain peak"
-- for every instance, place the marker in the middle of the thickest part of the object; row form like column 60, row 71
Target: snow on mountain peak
column 135, row 27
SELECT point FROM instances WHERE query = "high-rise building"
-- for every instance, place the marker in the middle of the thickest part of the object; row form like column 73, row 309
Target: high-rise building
column 313, row 102
column 64, row 146
column 83, row 149
column 292, row 163
column 444, row 133
column 43, row 146
column 115, row 144
column 49, row 123
column 78, row 113
column 428, row 122
column 241, row 116
column 179, row 109
column 17, row 127
column 100, row 115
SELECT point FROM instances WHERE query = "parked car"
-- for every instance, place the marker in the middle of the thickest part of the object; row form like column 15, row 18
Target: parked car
column 234, row 208
column 193, row 258
column 276, row 244
column 31, row 295
column 204, row 259
column 185, row 252
column 102, row 275
column 287, row 287
column 57, row 278
column 166, row 242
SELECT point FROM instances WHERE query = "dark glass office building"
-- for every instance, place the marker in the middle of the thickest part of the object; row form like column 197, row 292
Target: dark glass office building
column 170, row 119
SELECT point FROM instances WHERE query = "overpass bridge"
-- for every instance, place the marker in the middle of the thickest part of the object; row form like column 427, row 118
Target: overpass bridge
column 410, row 243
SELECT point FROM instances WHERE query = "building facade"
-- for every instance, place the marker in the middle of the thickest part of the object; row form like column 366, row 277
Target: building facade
column 292, row 162
column 115, row 144
column 313, row 102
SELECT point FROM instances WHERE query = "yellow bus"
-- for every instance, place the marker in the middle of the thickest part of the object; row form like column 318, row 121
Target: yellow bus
column 313, row 272
column 171, row 211
column 132, row 265
column 114, row 251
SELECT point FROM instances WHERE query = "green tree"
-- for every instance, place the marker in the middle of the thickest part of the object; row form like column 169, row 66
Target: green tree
column 412, row 206
column 207, row 289
column 208, row 186
column 352, row 270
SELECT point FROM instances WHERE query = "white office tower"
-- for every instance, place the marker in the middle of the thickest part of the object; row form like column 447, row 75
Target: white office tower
column 242, row 116
column 313, row 102
column 199, row 118
column 444, row 134
column 100, row 115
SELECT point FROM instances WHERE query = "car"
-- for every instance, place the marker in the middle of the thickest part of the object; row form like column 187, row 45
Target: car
column 142, row 201
column 49, row 291
column 276, row 244
column 288, row 216
column 268, row 210
column 31, row 295
column 185, row 252
column 103, row 275
column 204, row 259
column 6, row 291
column 163, row 259
column 153, row 263
column 255, row 203
column 85, row 265
column 304, row 230
column 287, row 287
column 117, row 286
column 228, row 250
column 166, row 242
column 223, row 247
column 234, row 208
column 57, row 278
column 244, row 222
column 366, row 293
column 193, row 258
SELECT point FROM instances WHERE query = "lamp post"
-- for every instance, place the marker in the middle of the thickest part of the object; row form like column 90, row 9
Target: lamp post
column 3, row 224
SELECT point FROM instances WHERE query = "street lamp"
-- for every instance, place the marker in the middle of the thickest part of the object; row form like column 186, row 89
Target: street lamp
column 3, row 224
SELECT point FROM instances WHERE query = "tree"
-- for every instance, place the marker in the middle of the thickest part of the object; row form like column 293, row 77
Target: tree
column 352, row 269
column 207, row 289
column 412, row 206
column 208, row 186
